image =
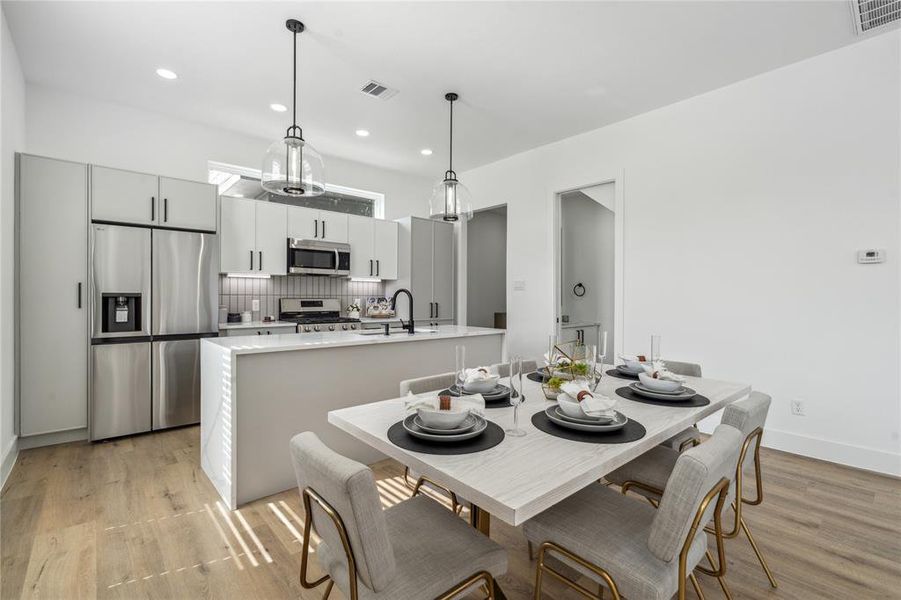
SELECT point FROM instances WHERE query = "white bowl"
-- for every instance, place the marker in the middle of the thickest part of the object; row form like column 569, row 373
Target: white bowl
column 636, row 366
column 570, row 407
column 659, row 385
column 442, row 419
column 481, row 386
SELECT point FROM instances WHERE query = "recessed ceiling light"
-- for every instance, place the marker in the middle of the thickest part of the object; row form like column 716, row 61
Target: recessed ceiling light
column 362, row 132
column 426, row 151
column 166, row 74
column 278, row 107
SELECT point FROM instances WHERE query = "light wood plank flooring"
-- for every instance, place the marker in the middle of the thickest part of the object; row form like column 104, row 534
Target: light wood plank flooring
column 136, row 518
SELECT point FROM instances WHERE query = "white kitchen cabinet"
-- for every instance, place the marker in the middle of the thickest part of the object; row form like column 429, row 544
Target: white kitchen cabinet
column 237, row 235
column 426, row 267
column 52, row 316
column 361, row 237
column 187, row 204
column 124, row 196
column 373, row 247
column 271, row 238
column 385, row 248
column 311, row 224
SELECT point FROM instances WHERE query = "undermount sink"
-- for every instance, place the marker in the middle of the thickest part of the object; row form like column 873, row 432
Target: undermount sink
column 396, row 331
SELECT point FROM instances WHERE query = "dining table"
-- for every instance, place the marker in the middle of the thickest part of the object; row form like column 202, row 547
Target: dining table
column 523, row 476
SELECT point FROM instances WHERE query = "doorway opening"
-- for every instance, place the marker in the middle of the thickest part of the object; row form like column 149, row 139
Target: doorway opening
column 486, row 268
column 588, row 265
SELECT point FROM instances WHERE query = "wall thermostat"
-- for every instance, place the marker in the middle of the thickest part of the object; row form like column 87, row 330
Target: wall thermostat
column 870, row 256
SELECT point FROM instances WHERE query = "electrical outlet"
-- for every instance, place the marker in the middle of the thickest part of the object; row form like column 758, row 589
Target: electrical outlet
column 797, row 407
column 255, row 305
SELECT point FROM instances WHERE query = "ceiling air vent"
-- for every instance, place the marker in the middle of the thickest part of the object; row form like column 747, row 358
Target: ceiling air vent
column 870, row 14
column 375, row 89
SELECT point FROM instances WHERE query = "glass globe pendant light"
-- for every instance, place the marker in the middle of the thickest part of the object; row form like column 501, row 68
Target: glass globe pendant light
column 450, row 201
column 292, row 167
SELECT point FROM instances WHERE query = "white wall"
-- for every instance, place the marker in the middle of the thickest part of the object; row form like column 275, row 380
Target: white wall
column 747, row 205
column 63, row 125
column 12, row 140
column 486, row 270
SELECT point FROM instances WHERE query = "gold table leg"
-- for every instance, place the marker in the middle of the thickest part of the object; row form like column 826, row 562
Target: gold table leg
column 480, row 519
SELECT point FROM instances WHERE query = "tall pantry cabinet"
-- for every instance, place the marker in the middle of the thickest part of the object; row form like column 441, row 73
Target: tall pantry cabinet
column 425, row 265
column 52, row 275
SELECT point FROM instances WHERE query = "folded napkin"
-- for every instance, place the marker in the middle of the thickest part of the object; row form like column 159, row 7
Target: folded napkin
column 478, row 374
column 474, row 403
column 633, row 357
column 657, row 370
column 591, row 404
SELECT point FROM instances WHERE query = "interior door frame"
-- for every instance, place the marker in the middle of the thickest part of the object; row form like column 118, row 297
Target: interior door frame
column 618, row 180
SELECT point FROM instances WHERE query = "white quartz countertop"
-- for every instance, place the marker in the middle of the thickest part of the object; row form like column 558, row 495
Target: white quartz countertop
column 308, row 341
column 256, row 325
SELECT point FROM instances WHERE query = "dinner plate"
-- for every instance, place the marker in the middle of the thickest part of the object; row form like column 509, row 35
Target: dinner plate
column 500, row 392
column 586, row 421
column 627, row 371
column 653, row 391
column 686, row 394
column 418, row 432
column 618, row 423
column 468, row 423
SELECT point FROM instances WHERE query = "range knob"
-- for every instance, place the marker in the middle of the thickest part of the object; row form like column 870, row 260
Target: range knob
column 315, row 327
column 353, row 326
column 307, row 329
column 331, row 327
column 344, row 327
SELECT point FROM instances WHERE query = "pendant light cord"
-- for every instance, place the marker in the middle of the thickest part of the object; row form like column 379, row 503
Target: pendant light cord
column 451, row 160
column 294, row 120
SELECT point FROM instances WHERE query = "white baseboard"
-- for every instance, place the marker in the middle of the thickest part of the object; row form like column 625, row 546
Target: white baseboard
column 10, row 455
column 869, row 459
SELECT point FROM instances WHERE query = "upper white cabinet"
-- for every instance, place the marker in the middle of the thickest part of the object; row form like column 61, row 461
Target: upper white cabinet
column 187, row 204
column 426, row 267
column 53, row 361
column 373, row 247
column 252, row 237
column 313, row 224
column 271, row 234
column 124, row 196
column 121, row 196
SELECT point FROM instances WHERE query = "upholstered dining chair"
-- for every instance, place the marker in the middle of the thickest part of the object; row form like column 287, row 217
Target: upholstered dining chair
column 629, row 547
column 412, row 550
column 503, row 369
column 648, row 474
column 421, row 385
column 691, row 436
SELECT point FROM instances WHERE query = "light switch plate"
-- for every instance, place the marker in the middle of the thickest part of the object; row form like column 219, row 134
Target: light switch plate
column 255, row 305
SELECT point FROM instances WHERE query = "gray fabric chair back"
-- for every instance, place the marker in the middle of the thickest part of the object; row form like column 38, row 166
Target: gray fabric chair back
column 746, row 416
column 695, row 473
column 432, row 383
column 503, row 369
column 683, row 368
column 349, row 487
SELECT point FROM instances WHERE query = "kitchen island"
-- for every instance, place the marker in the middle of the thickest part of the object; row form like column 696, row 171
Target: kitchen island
column 259, row 391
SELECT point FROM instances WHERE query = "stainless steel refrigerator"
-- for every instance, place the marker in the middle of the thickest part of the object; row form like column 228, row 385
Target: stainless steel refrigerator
column 153, row 297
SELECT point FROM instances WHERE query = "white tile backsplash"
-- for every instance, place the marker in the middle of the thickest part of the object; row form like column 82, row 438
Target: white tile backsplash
column 237, row 293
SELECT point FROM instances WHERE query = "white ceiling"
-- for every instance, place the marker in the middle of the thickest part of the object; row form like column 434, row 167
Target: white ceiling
column 528, row 73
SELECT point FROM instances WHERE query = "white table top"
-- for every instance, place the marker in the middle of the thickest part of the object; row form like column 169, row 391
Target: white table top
column 522, row 476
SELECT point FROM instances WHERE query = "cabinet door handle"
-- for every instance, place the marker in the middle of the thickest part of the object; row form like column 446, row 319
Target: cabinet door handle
column 153, row 208
column 251, row 260
column 370, row 267
column 323, row 229
column 79, row 294
column 378, row 267
column 165, row 209
column 315, row 228
column 436, row 310
column 261, row 260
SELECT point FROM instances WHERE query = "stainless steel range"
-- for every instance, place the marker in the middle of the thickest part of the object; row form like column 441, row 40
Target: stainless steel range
column 315, row 315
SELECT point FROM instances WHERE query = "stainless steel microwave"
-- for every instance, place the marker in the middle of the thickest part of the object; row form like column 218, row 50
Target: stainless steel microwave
column 315, row 257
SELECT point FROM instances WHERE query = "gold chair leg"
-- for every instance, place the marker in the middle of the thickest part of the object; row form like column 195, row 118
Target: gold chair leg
column 531, row 551
column 407, row 477
column 760, row 558
column 328, row 590
column 696, row 585
column 720, row 578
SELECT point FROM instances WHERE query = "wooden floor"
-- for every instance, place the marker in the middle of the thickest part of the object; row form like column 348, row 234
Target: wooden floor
column 136, row 518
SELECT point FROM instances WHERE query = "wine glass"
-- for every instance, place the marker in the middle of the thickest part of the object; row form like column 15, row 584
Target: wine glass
column 655, row 348
column 589, row 355
column 517, row 396
column 460, row 367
